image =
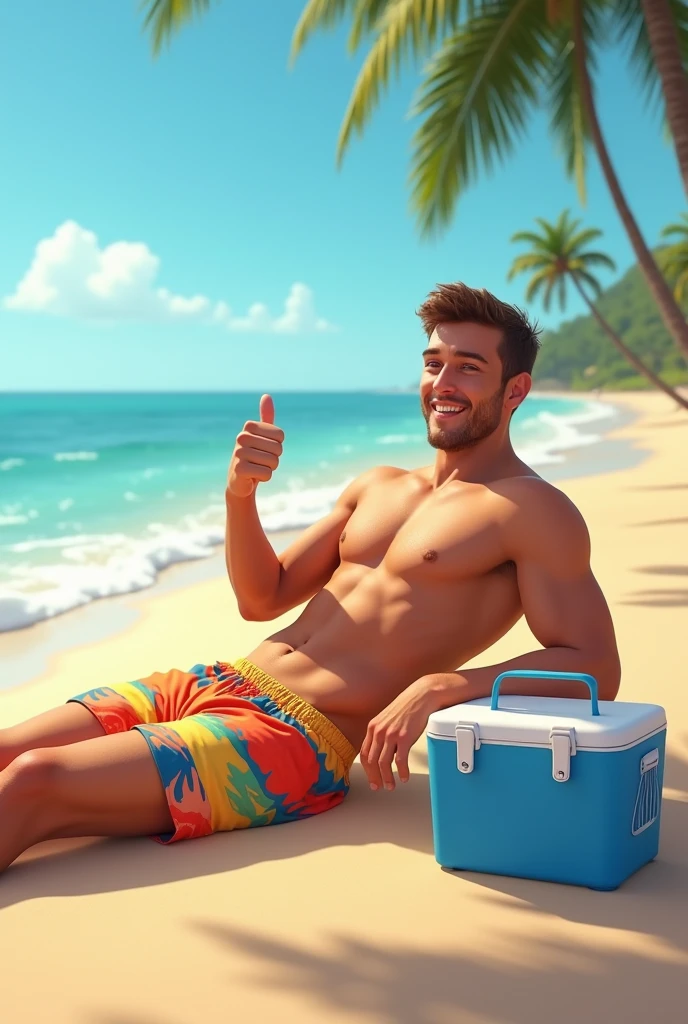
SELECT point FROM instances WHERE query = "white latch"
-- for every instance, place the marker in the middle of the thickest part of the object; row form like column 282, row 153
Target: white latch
column 467, row 742
column 563, row 748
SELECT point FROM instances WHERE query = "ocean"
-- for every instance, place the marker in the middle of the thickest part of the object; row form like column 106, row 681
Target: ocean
column 100, row 492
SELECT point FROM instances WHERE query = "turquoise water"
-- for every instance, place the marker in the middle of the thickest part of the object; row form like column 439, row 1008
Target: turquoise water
column 98, row 493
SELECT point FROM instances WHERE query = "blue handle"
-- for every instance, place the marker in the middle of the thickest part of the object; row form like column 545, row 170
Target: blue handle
column 539, row 674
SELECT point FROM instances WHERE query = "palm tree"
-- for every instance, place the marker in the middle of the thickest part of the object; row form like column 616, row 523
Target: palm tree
column 661, row 19
column 675, row 257
column 492, row 62
column 561, row 253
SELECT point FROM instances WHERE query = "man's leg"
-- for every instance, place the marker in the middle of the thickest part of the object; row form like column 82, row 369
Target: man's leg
column 107, row 786
column 70, row 723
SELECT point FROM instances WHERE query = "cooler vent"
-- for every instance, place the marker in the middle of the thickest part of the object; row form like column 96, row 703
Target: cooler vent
column 647, row 801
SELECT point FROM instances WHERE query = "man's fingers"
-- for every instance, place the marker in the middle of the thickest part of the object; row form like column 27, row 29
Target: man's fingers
column 267, row 409
column 385, row 762
column 253, row 471
column 402, row 760
column 248, row 439
column 257, row 457
column 370, row 764
column 268, row 430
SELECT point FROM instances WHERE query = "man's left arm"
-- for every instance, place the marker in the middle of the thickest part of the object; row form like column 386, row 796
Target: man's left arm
column 547, row 539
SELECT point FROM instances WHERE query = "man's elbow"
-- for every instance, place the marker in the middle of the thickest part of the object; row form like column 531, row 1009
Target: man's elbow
column 608, row 677
column 251, row 613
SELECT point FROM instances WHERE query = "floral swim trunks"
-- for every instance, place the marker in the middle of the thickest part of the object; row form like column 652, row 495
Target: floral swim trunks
column 233, row 747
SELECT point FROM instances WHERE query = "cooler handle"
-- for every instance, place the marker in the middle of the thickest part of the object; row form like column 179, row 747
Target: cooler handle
column 539, row 674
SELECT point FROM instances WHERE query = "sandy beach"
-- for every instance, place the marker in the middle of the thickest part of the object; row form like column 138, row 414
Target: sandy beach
column 347, row 917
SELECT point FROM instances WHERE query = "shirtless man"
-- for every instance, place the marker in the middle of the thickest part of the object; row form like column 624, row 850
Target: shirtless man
column 410, row 576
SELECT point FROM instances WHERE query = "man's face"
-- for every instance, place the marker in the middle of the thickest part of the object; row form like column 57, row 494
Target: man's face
column 461, row 390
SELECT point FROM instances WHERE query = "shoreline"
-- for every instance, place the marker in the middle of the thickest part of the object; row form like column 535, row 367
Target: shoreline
column 28, row 654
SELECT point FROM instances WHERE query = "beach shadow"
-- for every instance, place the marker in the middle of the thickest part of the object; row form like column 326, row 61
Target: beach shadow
column 658, row 487
column 674, row 598
column 665, row 570
column 406, row 983
column 664, row 522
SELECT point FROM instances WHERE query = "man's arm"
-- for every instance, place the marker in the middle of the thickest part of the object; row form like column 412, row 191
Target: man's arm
column 267, row 585
column 546, row 537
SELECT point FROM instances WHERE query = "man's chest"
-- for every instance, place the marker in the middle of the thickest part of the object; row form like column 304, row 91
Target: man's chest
column 442, row 538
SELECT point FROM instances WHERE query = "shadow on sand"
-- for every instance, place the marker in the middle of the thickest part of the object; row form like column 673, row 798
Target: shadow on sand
column 550, row 980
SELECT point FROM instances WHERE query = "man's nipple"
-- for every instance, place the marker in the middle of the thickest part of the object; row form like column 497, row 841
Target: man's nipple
column 430, row 555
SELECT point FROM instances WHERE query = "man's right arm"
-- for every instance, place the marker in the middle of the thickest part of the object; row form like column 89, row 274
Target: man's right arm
column 267, row 585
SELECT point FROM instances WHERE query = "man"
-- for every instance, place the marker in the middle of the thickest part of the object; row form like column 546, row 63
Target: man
column 410, row 576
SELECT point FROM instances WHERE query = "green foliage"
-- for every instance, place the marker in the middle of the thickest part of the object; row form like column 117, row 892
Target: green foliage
column 579, row 355
column 675, row 257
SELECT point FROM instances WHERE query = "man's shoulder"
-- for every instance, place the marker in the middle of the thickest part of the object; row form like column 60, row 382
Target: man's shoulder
column 537, row 515
column 530, row 492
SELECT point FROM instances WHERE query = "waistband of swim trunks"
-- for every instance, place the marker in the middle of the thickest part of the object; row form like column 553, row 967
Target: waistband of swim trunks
column 299, row 709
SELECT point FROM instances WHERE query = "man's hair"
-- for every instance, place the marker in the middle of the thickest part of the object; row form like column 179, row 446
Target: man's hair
column 457, row 303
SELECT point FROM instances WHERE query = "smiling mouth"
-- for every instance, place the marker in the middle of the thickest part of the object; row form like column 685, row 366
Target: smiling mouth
column 445, row 411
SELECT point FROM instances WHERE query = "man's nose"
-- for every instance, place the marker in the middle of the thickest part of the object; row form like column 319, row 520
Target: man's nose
column 444, row 381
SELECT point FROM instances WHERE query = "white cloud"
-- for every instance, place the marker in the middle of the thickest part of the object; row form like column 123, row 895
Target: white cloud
column 72, row 276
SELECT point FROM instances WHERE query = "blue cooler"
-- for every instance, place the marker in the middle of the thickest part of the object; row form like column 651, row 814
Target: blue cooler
column 561, row 790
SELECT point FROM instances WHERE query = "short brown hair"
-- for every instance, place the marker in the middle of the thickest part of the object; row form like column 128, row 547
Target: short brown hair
column 457, row 303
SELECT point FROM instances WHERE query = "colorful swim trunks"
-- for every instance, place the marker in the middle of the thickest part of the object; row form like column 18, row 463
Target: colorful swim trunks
column 234, row 748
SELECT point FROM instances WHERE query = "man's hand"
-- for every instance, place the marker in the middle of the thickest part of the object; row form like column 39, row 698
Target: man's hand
column 392, row 733
column 257, row 452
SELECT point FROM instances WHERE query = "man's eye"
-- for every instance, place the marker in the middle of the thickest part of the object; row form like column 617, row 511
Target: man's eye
column 431, row 365
column 469, row 366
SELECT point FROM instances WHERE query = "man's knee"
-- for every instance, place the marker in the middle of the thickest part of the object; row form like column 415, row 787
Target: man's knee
column 37, row 773
column 9, row 748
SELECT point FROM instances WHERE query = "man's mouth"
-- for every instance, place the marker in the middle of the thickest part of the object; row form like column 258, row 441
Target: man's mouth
column 446, row 410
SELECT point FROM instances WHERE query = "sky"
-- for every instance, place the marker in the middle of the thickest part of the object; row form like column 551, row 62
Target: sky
column 179, row 223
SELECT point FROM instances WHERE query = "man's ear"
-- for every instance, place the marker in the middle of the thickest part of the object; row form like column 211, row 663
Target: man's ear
column 517, row 389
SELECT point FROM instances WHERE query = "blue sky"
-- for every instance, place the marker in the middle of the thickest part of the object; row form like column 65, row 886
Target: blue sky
column 210, row 173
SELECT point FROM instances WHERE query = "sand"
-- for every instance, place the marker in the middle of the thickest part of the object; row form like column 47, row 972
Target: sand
column 347, row 917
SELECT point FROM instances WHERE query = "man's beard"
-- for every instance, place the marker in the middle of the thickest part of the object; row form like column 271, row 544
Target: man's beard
column 477, row 423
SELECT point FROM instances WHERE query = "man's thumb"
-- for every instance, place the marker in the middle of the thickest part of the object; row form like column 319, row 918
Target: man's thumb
column 267, row 409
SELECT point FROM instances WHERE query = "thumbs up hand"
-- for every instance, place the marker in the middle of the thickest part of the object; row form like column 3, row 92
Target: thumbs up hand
column 257, row 452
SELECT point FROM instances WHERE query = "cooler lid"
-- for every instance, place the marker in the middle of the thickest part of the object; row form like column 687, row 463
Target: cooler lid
column 530, row 720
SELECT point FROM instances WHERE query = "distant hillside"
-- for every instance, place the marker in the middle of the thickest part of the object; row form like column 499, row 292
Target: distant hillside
column 579, row 355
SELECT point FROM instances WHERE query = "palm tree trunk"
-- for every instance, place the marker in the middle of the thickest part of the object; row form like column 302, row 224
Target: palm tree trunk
column 661, row 30
column 626, row 352
column 668, row 307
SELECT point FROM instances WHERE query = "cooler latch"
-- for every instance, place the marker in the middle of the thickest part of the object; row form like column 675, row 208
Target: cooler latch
column 467, row 742
column 563, row 748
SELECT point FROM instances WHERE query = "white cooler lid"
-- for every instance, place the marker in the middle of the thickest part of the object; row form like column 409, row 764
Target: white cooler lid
column 529, row 720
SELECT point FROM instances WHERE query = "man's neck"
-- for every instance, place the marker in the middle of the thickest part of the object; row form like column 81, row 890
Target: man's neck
column 488, row 460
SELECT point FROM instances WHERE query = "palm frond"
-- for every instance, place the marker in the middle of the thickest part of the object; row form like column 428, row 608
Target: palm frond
column 429, row 17
column 583, row 276
column 529, row 261
column 165, row 17
column 549, row 289
column 594, row 259
column 318, row 15
column 577, row 240
column 681, row 287
column 680, row 229
column 476, row 98
column 536, row 284
column 406, row 30
column 568, row 121
column 528, row 236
